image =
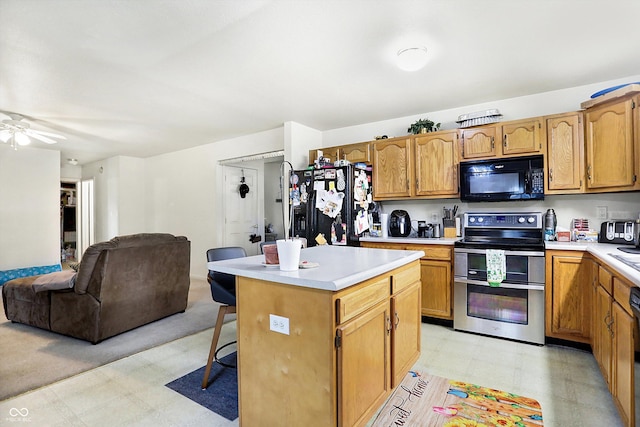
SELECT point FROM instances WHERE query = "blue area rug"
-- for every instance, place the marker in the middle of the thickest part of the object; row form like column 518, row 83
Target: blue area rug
column 221, row 396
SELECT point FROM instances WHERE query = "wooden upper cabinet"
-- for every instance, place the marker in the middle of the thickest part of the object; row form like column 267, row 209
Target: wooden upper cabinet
column 392, row 170
column 355, row 153
column 522, row 137
column 360, row 152
column 332, row 153
column 436, row 168
column 610, row 146
column 565, row 153
column 479, row 142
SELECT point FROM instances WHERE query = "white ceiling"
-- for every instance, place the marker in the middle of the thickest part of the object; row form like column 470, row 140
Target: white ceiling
column 145, row 77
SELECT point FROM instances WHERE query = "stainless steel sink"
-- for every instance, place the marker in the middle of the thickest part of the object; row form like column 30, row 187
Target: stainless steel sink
column 632, row 261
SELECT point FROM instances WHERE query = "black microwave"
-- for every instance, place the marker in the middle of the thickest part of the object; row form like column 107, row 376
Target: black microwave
column 494, row 180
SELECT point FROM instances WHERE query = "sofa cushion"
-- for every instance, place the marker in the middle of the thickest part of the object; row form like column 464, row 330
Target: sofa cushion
column 54, row 281
column 23, row 305
column 89, row 260
column 144, row 239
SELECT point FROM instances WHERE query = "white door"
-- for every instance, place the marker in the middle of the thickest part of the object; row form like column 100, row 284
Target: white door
column 240, row 214
column 86, row 235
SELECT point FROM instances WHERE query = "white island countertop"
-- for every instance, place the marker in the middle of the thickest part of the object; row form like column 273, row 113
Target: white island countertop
column 339, row 266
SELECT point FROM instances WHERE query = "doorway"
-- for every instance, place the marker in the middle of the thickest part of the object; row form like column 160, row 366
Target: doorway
column 241, row 215
column 77, row 230
column 68, row 222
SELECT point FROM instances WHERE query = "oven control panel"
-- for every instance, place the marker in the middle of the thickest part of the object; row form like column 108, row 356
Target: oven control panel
column 503, row 220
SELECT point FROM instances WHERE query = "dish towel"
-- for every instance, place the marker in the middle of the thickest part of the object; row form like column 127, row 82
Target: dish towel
column 496, row 266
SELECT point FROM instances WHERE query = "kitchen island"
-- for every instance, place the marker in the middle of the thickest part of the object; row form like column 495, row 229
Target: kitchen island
column 324, row 346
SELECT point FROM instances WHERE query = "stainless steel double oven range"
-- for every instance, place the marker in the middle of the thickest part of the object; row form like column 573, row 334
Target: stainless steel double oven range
column 515, row 308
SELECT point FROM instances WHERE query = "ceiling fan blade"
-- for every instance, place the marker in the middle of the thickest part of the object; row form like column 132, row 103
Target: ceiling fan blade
column 50, row 134
column 42, row 138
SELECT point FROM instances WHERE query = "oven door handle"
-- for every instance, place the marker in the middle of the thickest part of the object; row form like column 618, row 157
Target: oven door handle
column 484, row 251
column 505, row 285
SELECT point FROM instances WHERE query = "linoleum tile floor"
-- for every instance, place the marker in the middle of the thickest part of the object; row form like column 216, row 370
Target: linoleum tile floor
column 132, row 391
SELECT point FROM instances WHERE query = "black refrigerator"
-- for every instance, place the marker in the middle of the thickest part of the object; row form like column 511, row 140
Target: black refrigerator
column 331, row 204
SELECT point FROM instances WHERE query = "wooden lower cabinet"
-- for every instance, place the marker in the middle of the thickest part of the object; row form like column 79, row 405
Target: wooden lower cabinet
column 436, row 288
column 588, row 302
column 436, row 276
column 623, row 364
column 613, row 345
column 569, row 283
column 344, row 354
column 406, row 319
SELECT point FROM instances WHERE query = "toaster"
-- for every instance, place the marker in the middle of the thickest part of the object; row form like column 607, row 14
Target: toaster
column 620, row 231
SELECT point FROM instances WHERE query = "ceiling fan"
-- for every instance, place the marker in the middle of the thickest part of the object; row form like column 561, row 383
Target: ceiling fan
column 18, row 132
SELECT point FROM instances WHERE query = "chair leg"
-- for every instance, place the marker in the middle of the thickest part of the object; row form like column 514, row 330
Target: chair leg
column 224, row 310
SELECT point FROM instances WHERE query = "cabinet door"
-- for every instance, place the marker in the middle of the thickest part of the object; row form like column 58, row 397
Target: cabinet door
column 610, row 146
column 356, row 152
column 392, row 168
column 479, row 142
column 623, row 364
column 522, row 137
column 565, row 154
column 436, row 288
column 568, row 297
column 331, row 153
column 363, row 376
column 603, row 341
column 406, row 319
column 436, row 168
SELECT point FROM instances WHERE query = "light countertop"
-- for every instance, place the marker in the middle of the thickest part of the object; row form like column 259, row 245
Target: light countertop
column 604, row 252
column 412, row 240
column 339, row 266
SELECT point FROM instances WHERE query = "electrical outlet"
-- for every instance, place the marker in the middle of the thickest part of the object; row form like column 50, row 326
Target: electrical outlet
column 279, row 324
column 434, row 217
column 601, row 212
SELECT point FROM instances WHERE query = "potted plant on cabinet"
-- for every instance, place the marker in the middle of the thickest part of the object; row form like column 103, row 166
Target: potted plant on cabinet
column 423, row 126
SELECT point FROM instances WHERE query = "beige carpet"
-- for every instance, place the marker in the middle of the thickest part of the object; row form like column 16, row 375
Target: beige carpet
column 31, row 358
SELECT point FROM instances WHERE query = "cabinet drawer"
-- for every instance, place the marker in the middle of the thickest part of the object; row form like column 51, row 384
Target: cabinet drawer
column 376, row 245
column 621, row 292
column 605, row 279
column 405, row 278
column 433, row 252
column 359, row 301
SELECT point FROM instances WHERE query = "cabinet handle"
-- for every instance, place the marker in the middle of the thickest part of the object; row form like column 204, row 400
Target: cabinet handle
column 505, row 141
column 388, row 325
column 550, row 174
column 589, row 172
column 606, row 321
column 493, row 145
column 397, row 320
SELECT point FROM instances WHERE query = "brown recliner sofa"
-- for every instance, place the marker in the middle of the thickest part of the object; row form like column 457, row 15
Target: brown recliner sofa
column 121, row 284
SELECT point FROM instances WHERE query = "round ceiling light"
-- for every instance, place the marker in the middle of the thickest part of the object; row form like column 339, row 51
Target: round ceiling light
column 412, row 58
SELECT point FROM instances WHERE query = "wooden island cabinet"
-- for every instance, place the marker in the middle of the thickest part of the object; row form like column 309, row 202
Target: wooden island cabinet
column 436, row 276
column 344, row 335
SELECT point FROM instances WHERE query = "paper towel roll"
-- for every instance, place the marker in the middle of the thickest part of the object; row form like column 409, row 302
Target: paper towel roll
column 384, row 224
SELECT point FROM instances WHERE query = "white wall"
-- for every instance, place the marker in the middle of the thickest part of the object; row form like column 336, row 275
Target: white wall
column 132, row 217
column 184, row 190
column 119, row 196
column 566, row 207
column 29, row 207
column 273, row 209
column 546, row 103
column 298, row 140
